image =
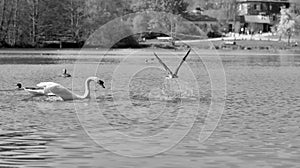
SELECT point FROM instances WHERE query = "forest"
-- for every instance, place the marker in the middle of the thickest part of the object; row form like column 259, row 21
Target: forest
column 34, row 23
column 37, row 23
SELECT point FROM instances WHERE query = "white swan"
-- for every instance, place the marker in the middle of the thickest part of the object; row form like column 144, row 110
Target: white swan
column 66, row 94
column 170, row 73
column 35, row 91
column 65, row 74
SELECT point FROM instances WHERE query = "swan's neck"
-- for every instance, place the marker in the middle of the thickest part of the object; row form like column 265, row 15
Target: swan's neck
column 87, row 91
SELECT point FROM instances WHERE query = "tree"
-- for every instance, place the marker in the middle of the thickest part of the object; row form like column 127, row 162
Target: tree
column 286, row 25
column 99, row 12
column 76, row 16
column 158, row 22
column 26, row 23
column 34, row 14
column 3, row 19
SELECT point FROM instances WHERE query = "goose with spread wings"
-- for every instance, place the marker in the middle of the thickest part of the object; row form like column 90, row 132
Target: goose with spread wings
column 170, row 73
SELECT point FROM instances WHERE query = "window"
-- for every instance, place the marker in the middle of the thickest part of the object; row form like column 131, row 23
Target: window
column 258, row 7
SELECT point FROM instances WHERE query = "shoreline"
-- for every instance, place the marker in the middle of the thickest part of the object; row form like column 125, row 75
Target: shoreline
column 206, row 48
column 76, row 52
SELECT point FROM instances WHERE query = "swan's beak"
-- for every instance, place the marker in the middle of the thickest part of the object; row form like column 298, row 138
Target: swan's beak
column 101, row 83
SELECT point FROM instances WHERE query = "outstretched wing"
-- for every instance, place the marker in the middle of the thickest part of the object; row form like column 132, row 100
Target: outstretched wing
column 163, row 64
column 184, row 58
column 35, row 92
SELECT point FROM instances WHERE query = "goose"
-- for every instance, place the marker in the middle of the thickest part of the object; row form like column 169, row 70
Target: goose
column 65, row 74
column 170, row 73
column 66, row 94
column 35, row 91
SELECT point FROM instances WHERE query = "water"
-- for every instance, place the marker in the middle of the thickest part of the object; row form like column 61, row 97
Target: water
column 258, row 128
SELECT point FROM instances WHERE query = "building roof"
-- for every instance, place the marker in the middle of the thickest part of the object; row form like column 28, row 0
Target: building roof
column 257, row 19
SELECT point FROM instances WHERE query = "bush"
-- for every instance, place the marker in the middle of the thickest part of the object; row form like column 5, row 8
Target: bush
column 128, row 42
column 214, row 34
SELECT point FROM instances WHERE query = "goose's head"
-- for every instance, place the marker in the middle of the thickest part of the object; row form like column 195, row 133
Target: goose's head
column 19, row 85
column 64, row 71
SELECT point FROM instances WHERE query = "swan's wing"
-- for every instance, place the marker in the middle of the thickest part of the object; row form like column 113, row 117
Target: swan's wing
column 184, row 58
column 50, row 94
column 163, row 64
column 46, row 84
column 34, row 88
column 35, row 92
column 60, row 91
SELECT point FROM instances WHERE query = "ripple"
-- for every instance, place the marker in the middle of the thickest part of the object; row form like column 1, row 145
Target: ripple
column 259, row 126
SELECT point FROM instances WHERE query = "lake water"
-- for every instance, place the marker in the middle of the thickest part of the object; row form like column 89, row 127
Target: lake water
column 131, row 123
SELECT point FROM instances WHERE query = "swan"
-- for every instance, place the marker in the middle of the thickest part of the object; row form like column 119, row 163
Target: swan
column 36, row 91
column 65, row 74
column 170, row 73
column 66, row 94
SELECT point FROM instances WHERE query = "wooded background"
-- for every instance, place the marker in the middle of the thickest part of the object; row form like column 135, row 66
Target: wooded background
column 30, row 23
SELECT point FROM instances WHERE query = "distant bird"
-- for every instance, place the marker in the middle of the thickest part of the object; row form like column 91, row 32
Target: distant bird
column 170, row 73
column 35, row 91
column 65, row 74
column 149, row 61
column 66, row 94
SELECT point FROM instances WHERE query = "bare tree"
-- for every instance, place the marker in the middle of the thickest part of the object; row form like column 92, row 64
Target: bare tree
column 286, row 25
column 76, row 14
column 34, row 12
column 15, row 25
column 3, row 20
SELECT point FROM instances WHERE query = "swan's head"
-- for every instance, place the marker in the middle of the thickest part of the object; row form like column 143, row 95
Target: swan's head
column 19, row 85
column 101, row 83
column 97, row 80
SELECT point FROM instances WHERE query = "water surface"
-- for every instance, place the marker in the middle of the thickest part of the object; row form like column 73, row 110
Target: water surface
column 259, row 126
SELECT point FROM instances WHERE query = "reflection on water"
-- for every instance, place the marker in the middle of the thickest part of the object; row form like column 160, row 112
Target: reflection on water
column 34, row 60
column 263, row 60
column 53, row 60
column 259, row 126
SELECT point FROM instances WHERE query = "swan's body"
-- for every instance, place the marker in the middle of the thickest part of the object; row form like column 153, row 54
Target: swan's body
column 35, row 91
column 170, row 73
column 66, row 94
column 65, row 74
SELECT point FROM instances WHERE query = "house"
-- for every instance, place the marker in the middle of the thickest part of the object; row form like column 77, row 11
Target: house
column 258, row 15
